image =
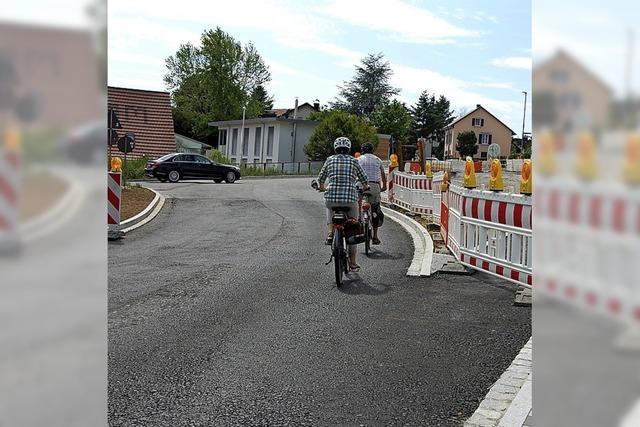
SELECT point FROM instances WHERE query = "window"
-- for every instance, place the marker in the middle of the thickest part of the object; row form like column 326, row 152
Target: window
column 222, row 137
column 478, row 122
column 484, row 138
column 201, row 159
column 245, row 142
column 257, row 145
column 234, row 142
column 270, row 132
column 483, row 155
column 186, row 158
column 559, row 76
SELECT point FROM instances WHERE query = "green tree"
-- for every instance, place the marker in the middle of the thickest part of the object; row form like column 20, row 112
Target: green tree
column 369, row 87
column 430, row 116
column 467, row 143
column 335, row 123
column 213, row 82
column 260, row 96
column 393, row 118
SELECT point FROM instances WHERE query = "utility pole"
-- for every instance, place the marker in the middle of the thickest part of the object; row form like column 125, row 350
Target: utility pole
column 244, row 110
column 524, row 116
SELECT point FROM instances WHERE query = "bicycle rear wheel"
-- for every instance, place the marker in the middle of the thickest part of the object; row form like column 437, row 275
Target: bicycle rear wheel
column 338, row 257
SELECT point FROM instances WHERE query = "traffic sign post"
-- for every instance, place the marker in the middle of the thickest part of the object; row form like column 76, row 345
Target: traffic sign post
column 126, row 144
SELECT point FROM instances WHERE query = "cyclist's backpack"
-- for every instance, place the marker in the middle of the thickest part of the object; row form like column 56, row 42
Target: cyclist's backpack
column 352, row 227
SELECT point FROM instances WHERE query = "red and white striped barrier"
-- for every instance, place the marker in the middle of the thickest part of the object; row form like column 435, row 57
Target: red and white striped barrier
column 9, row 190
column 114, row 195
column 485, row 230
column 588, row 246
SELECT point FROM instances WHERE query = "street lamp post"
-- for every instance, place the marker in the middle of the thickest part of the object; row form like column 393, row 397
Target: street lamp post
column 244, row 110
column 524, row 115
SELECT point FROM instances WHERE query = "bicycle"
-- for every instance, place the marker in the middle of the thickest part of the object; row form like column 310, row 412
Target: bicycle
column 340, row 242
column 365, row 219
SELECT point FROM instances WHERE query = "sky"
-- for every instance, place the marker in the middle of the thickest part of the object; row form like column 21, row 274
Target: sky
column 471, row 52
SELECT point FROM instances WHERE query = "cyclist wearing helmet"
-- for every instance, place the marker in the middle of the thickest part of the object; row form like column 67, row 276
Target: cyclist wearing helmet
column 342, row 171
column 374, row 169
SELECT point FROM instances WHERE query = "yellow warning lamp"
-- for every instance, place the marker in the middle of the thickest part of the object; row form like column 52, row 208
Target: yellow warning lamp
column 469, row 174
column 631, row 163
column 393, row 160
column 12, row 138
column 495, row 176
column 427, row 170
column 546, row 158
column 526, row 178
column 116, row 164
column 586, row 163
column 445, row 182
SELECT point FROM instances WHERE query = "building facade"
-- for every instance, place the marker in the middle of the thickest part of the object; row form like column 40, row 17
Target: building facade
column 568, row 96
column 487, row 128
column 274, row 138
column 146, row 114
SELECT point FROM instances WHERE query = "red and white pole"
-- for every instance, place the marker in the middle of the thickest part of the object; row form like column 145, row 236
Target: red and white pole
column 114, row 196
column 9, row 191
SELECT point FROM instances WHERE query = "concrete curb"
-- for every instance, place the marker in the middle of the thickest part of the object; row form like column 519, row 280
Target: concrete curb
column 55, row 217
column 508, row 402
column 148, row 214
column 423, row 252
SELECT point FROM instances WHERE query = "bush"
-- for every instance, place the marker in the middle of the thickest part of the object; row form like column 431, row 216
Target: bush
column 334, row 123
column 218, row 157
column 134, row 168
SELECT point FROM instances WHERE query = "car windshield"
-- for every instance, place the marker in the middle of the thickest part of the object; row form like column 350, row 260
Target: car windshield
column 165, row 157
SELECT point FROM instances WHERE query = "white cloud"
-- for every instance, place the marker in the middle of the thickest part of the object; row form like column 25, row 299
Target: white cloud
column 404, row 21
column 461, row 94
column 518, row 62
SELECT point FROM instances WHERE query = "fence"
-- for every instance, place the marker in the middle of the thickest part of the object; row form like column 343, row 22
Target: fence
column 484, row 230
column 284, row 168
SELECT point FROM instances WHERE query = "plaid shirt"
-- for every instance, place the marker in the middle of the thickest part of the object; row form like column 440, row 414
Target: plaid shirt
column 372, row 166
column 342, row 171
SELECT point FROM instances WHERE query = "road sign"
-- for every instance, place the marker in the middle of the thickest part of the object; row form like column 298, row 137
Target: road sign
column 113, row 137
column 493, row 151
column 127, row 143
column 114, row 122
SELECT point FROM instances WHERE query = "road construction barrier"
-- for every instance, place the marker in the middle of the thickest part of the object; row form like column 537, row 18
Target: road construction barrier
column 485, row 230
column 9, row 190
column 587, row 245
column 114, row 195
column 490, row 231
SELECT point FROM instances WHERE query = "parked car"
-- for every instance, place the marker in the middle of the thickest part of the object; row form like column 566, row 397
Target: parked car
column 86, row 143
column 177, row 166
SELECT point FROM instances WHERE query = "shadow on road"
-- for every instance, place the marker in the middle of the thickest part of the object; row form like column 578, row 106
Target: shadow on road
column 383, row 255
column 354, row 285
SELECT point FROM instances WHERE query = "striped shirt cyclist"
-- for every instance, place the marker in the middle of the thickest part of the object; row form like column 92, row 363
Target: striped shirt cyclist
column 342, row 171
column 372, row 166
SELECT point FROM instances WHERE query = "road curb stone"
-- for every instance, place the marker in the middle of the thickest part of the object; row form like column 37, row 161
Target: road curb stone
column 508, row 401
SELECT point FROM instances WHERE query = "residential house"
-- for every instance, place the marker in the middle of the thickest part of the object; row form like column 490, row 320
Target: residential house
column 488, row 129
column 568, row 96
column 276, row 136
column 146, row 114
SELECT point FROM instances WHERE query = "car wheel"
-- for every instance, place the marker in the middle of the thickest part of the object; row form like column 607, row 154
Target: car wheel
column 230, row 178
column 174, row 176
column 218, row 180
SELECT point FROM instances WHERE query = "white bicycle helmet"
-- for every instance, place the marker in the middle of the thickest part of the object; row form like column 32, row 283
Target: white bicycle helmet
column 342, row 142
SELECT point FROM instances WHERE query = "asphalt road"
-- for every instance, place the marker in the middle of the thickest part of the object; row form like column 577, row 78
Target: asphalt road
column 222, row 312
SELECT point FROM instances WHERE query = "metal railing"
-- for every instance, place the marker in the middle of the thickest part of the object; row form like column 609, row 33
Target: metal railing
column 282, row 168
